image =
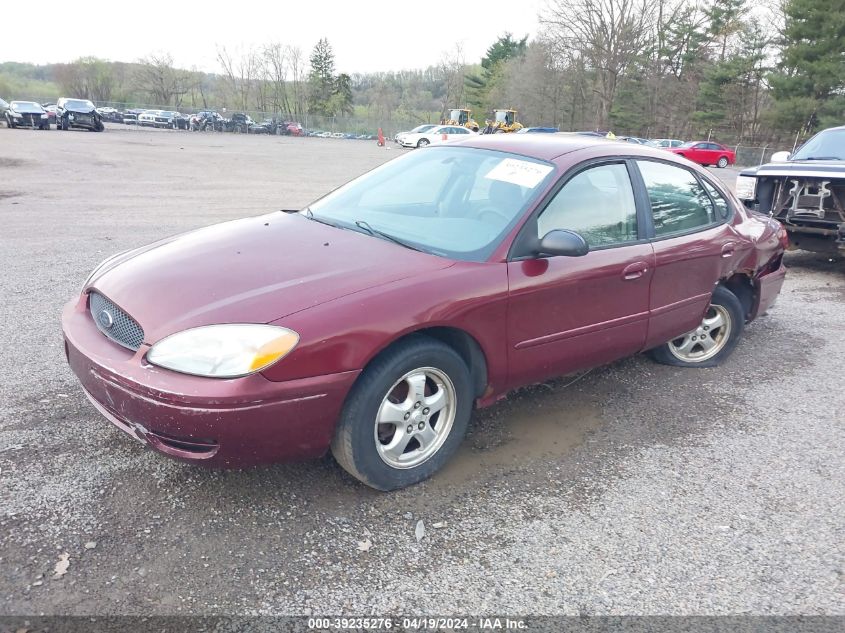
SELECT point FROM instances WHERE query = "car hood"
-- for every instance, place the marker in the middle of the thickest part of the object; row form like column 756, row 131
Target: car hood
column 808, row 168
column 254, row 270
column 76, row 110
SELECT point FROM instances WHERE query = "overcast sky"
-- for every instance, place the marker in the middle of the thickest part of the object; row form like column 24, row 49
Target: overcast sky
column 367, row 36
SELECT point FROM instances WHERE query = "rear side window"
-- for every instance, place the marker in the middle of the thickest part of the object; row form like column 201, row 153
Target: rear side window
column 678, row 202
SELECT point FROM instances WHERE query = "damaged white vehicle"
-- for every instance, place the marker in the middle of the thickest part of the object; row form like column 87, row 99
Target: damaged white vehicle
column 805, row 191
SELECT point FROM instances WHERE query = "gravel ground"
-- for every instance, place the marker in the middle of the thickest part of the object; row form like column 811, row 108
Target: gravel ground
column 638, row 489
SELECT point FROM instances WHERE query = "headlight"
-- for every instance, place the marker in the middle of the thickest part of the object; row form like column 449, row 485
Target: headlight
column 17, row 115
column 223, row 351
column 746, row 187
column 44, row 116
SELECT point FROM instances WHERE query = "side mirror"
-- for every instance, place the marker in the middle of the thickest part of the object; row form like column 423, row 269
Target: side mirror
column 563, row 242
column 780, row 157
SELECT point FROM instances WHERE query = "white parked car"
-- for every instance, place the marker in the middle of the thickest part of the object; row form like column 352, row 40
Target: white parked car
column 417, row 130
column 436, row 135
column 667, row 142
column 147, row 118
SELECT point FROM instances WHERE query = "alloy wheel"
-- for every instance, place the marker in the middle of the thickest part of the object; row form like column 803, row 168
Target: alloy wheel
column 707, row 340
column 415, row 418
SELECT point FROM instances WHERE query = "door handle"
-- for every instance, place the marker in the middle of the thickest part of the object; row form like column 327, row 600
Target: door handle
column 634, row 271
column 728, row 249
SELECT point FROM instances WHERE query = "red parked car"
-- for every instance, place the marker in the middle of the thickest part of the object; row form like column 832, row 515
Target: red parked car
column 706, row 153
column 375, row 320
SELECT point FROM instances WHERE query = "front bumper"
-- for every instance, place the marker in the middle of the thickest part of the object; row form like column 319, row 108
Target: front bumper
column 82, row 120
column 221, row 423
column 829, row 238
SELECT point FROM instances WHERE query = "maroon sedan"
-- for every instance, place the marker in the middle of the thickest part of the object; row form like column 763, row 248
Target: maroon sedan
column 705, row 153
column 373, row 321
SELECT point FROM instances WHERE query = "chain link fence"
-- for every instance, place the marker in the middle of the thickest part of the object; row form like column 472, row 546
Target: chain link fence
column 746, row 155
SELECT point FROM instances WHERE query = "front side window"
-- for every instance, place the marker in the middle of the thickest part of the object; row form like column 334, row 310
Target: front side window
column 598, row 203
column 456, row 202
column 678, row 202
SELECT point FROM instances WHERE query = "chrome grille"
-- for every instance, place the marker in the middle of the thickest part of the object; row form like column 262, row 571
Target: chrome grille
column 114, row 322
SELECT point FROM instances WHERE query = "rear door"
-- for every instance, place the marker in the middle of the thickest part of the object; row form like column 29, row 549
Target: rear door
column 693, row 243
column 569, row 313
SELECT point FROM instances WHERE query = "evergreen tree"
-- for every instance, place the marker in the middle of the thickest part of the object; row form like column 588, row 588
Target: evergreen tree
column 321, row 79
column 480, row 84
column 341, row 102
column 809, row 85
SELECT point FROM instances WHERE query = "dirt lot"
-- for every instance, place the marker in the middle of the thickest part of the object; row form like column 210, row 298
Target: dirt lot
column 639, row 489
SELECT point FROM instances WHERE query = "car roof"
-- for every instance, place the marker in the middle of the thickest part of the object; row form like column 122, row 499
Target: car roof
column 549, row 147
column 542, row 146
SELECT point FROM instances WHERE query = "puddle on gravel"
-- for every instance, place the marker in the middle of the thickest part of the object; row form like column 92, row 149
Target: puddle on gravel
column 516, row 434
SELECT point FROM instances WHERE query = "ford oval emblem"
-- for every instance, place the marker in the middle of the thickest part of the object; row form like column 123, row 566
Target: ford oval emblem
column 105, row 318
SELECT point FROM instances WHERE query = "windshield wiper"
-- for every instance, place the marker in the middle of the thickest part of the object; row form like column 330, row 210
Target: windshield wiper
column 387, row 236
column 310, row 215
column 821, row 158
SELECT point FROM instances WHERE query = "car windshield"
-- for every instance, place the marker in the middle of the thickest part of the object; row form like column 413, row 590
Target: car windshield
column 79, row 103
column 826, row 145
column 688, row 144
column 25, row 105
column 421, row 128
column 456, row 202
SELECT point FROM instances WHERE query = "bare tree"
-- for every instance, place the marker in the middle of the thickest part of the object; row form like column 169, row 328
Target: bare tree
column 299, row 80
column 88, row 77
column 607, row 34
column 452, row 68
column 275, row 74
column 241, row 73
column 156, row 76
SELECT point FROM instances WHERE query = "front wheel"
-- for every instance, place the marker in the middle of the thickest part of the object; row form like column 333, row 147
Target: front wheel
column 406, row 415
column 422, row 142
column 712, row 341
column 723, row 162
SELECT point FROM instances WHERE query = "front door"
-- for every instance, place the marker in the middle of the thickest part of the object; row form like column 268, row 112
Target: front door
column 570, row 313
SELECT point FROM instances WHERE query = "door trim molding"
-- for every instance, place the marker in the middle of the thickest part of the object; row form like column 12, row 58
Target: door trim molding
column 580, row 331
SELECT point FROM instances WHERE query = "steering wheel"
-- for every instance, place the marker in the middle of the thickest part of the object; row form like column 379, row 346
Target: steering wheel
column 495, row 211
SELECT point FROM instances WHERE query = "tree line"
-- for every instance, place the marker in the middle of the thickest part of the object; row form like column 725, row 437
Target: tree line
column 736, row 70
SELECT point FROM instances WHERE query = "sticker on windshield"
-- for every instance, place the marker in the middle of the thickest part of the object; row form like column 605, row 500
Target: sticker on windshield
column 519, row 172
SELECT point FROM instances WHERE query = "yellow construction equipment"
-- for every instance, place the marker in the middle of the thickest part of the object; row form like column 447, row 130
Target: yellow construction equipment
column 462, row 117
column 505, row 121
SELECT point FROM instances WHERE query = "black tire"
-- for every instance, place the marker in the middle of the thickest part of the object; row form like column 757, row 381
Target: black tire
column 422, row 142
column 723, row 162
column 354, row 443
column 99, row 127
column 730, row 307
column 65, row 125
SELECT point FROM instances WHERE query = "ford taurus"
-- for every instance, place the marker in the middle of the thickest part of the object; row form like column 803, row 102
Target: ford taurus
column 372, row 322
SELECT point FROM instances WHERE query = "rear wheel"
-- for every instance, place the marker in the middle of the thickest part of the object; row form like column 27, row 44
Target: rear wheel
column 723, row 162
column 405, row 416
column 712, row 341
